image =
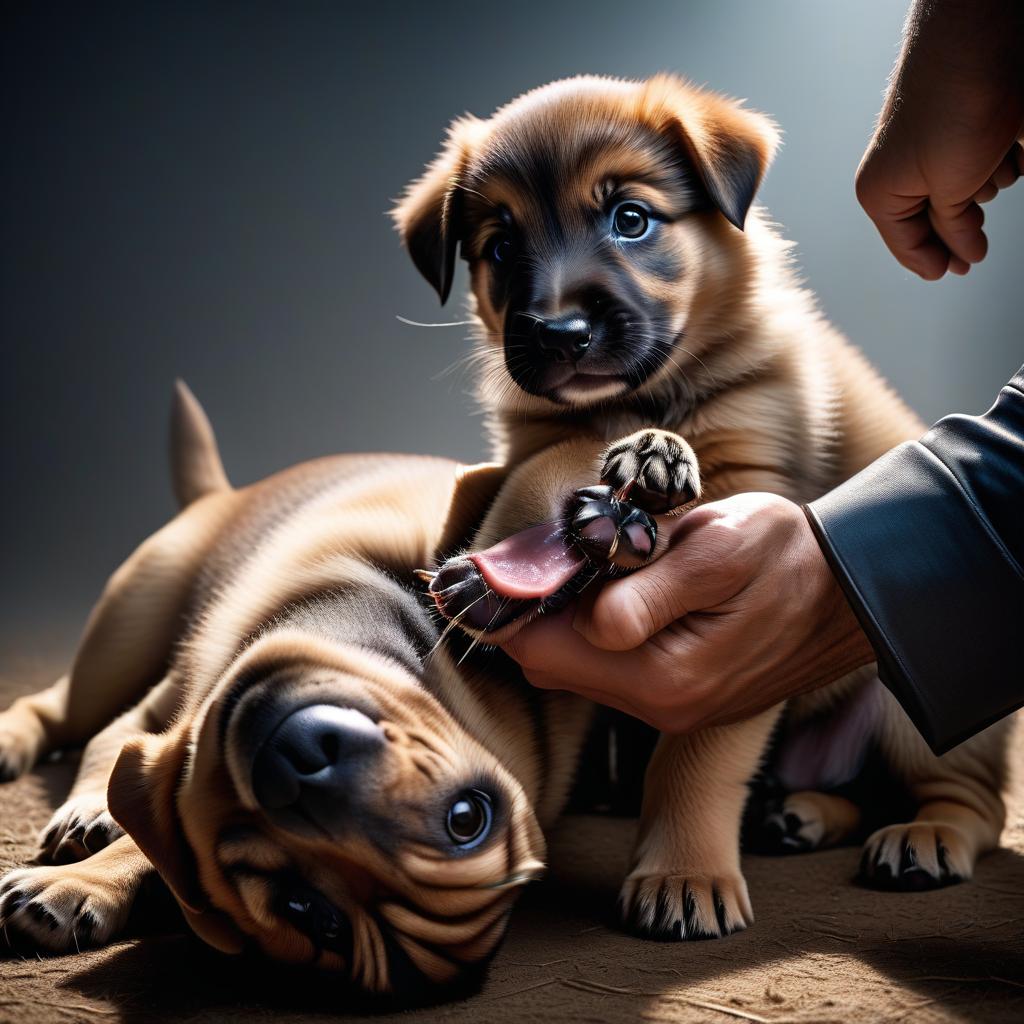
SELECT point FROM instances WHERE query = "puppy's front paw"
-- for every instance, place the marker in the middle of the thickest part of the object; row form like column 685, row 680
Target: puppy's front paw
column 610, row 530
column 655, row 469
column 685, row 905
column 80, row 827
column 921, row 855
column 61, row 909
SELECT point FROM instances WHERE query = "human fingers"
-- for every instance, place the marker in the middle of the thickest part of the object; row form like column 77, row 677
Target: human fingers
column 959, row 227
column 693, row 574
column 553, row 655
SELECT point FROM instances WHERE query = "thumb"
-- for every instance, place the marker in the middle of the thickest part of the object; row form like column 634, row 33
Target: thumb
column 694, row 574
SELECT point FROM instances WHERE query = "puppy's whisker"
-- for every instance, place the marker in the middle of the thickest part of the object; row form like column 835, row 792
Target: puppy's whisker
column 473, row 191
column 420, row 323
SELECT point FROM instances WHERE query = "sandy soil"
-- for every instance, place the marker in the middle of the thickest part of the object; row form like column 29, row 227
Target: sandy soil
column 821, row 949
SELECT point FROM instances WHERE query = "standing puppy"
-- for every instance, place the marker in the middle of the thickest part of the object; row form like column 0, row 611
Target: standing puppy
column 624, row 286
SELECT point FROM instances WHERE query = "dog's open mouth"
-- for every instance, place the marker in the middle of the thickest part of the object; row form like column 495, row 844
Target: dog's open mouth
column 537, row 569
column 540, row 569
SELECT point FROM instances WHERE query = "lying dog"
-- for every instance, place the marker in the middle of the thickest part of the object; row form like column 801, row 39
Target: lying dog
column 623, row 284
column 305, row 764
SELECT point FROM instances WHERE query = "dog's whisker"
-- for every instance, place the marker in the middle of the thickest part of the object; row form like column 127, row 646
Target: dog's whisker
column 420, row 323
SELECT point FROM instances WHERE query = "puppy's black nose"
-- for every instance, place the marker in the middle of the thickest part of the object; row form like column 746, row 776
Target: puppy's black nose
column 565, row 339
column 314, row 753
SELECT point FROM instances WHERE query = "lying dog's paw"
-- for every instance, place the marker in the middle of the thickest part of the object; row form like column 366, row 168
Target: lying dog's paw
column 909, row 858
column 80, row 827
column 684, row 906
column 655, row 469
column 61, row 909
column 18, row 746
column 609, row 530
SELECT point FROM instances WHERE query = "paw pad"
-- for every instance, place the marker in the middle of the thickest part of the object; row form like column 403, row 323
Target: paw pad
column 610, row 530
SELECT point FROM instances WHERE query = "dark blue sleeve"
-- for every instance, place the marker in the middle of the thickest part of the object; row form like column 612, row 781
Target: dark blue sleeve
column 928, row 545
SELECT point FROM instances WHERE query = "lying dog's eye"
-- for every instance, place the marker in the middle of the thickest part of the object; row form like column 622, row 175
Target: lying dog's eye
column 630, row 220
column 314, row 915
column 469, row 819
column 501, row 249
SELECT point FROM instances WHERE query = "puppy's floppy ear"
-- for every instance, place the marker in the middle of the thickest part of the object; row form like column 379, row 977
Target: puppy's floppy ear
column 729, row 145
column 429, row 214
column 141, row 797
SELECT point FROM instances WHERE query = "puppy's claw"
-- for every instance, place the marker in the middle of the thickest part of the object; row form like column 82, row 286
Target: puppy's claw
column 917, row 856
column 79, row 828
column 679, row 907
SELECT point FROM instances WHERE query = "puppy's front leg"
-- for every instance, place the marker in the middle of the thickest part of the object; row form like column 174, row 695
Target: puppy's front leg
column 685, row 881
column 83, row 825
column 64, row 909
column 530, row 547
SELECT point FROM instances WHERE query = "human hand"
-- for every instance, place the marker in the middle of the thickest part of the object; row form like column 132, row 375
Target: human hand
column 740, row 613
column 947, row 136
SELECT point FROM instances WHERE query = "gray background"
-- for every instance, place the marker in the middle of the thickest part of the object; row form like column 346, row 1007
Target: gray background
column 199, row 190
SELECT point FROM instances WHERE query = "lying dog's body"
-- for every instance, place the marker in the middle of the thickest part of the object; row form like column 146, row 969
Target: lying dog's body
column 615, row 296
column 306, row 766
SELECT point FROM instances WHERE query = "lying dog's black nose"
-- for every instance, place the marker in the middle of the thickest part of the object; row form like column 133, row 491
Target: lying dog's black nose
column 315, row 752
column 565, row 339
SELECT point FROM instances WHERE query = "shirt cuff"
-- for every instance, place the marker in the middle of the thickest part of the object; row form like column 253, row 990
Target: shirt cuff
column 933, row 589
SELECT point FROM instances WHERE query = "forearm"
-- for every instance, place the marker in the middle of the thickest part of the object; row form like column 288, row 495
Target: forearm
column 928, row 544
column 973, row 44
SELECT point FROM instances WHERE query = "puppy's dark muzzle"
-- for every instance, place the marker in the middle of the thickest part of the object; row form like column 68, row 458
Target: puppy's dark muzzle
column 313, row 761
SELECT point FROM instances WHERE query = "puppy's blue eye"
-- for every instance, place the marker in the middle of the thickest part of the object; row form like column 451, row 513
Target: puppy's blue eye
column 469, row 819
column 501, row 250
column 630, row 220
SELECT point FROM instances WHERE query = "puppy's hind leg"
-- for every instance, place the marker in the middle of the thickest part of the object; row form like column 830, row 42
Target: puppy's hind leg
column 807, row 821
column 126, row 645
column 960, row 811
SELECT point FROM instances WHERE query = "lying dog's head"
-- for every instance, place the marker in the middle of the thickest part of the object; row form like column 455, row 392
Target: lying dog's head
column 323, row 805
column 601, row 220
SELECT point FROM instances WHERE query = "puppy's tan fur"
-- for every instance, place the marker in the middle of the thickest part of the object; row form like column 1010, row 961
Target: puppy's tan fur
column 766, row 392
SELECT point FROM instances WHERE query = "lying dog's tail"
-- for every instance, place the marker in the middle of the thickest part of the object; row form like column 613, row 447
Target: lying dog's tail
column 196, row 468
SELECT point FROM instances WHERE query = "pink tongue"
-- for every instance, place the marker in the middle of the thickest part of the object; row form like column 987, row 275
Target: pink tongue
column 531, row 564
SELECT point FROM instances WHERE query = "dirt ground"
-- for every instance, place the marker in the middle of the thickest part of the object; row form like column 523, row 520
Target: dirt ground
column 821, row 949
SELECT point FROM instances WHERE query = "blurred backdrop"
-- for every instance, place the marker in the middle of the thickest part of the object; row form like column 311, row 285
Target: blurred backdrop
column 199, row 189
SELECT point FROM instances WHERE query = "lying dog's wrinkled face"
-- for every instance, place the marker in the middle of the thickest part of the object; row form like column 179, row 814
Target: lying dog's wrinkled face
column 326, row 808
column 599, row 221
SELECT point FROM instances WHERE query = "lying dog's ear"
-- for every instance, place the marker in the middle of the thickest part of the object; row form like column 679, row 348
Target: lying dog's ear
column 429, row 214
column 729, row 145
column 141, row 797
